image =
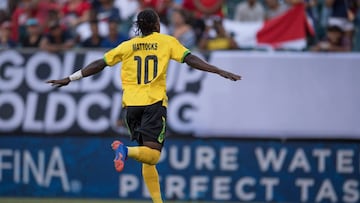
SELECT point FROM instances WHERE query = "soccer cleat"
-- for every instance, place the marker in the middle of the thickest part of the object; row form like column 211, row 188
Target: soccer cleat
column 121, row 152
column 115, row 144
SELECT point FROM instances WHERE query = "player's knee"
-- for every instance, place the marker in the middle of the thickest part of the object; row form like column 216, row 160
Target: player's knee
column 155, row 157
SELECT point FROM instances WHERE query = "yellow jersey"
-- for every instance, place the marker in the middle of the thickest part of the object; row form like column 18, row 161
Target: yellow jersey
column 144, row 66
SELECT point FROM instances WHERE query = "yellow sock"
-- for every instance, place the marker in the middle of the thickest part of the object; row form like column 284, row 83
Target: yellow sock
column 151, row 179
column 144, row 154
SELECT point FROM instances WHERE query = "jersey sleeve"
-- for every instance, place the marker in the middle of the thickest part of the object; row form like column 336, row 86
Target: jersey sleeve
column 178, row 51
column 114, row 56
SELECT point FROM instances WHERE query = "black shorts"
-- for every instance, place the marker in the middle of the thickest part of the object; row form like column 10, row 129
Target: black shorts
column 147, row 123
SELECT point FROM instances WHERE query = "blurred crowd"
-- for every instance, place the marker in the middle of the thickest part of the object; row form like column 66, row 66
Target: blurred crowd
column 58, row 25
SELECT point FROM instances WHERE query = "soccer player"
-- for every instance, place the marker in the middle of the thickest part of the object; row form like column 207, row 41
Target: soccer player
column 144, row 64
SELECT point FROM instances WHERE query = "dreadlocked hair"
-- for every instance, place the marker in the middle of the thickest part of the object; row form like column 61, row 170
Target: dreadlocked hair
column 146, row 22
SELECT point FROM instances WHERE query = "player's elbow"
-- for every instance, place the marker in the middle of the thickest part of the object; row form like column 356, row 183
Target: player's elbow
column 100, row 63
column 190, row 59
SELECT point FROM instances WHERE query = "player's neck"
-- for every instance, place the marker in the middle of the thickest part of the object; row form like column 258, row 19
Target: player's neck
column 149, row 34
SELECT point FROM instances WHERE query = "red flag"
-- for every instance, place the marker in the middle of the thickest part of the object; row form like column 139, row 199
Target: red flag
column 288, row 27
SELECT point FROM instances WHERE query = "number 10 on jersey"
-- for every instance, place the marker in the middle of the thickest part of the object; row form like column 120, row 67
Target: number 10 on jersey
column 147, row 61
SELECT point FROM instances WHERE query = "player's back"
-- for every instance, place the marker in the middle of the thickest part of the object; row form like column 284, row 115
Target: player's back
column 148, row 57
column 144, row 65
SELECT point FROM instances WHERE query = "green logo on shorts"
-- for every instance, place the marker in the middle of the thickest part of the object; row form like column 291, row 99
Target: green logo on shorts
column 161, row 136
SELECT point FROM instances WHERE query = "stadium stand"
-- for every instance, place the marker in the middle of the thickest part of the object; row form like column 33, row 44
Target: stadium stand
column 76, row 18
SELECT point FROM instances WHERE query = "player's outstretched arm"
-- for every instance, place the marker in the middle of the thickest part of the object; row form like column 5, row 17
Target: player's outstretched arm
column 91, row 69
column 200, row 64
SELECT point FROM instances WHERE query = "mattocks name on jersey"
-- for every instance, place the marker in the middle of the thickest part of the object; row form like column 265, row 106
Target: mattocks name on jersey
column 145, row 46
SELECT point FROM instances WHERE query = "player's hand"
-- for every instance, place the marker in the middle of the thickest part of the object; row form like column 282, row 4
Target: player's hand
column 228, row 75
column 59, row 83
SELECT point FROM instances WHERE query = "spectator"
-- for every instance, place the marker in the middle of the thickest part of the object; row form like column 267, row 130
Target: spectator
column 220, row 41
column 44, row 7
column 133, row 30
column 58, row 39
column 334, row 42
column 181, row 28
column 76, row 12
column 205, row 8
column 103, row 11
column 3, row 15
column 274, row 9
column 162, row 7
column 33, row 34
column 95, row 39
column 314, row 16
column 127, row 8
column 311, row 9
column 357, row 31
column 12, row 4
column 4, row 10
column 107, row 11
column 204, row 12
column 148, row 4
column 114, row 38
column 5, row 40
column 249, row 11
column 25, row 9
column 52, row 18
column 342, row 16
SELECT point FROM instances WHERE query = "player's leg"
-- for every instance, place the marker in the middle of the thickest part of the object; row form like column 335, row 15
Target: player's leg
column 151, row 179
column 150, row 135
column 149, row 157
column 144, row 154
column 152, row 132
column 153, row 127
column 147, row 125
column 132, row 120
